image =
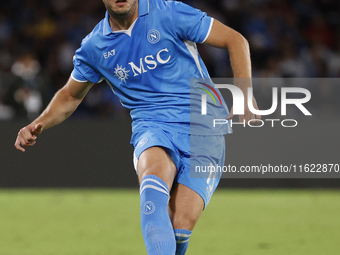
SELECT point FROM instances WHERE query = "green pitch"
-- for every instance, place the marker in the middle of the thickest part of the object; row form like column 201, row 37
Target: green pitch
column 103, row 222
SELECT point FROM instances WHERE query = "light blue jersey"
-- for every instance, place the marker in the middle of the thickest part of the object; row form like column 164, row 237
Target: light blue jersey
column 150, row 65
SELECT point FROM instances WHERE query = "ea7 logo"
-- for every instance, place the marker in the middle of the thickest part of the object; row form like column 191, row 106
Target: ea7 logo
column 110, row 53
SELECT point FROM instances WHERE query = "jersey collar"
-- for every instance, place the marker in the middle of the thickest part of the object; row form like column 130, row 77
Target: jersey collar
column 143, row 9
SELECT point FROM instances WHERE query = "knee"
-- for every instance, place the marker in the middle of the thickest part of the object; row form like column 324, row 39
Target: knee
column 184, row 220
column 156, row 161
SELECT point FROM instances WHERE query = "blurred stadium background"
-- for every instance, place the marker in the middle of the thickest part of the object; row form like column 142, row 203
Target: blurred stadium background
column 288, row 39
column 299, row 38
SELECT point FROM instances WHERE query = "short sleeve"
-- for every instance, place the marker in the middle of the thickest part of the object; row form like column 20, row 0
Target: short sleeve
column 189, row 23
column 83, row 71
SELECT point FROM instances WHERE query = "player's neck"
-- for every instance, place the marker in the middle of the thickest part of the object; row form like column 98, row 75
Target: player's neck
column 123, row 22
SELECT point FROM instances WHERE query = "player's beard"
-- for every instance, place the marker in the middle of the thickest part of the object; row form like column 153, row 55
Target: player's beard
column 121, row 8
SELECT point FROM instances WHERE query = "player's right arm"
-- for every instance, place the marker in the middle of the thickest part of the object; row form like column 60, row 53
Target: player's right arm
column 222, row 36
column 62, row 105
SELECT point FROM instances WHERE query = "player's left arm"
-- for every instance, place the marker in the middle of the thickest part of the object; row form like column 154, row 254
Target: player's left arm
column 222, row 36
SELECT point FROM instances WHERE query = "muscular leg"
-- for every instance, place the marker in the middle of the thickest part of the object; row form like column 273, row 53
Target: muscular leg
column 185, row 205
column 185, row 209
column 156, row 172
column 156, row 161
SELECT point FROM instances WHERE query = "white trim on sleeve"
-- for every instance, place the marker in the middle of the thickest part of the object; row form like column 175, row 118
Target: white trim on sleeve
column 209, row 31
column 77, row 79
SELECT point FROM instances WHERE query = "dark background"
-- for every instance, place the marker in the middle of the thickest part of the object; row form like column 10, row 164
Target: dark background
column 89, row 153
column 288, row 39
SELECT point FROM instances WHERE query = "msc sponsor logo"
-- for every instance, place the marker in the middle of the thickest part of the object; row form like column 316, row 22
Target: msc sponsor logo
column 121, row 73
column 149, row 62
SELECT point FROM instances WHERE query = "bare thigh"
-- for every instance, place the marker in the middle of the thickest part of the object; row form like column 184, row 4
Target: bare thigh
column 185, row 207
column 156, row 161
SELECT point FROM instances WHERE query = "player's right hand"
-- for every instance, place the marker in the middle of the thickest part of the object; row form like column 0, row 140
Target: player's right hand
column 27, row 136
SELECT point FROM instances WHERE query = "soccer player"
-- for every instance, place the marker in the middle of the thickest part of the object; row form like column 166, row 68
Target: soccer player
column 146, row 51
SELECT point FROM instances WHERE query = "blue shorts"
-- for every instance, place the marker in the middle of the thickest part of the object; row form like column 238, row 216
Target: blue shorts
column 192, row 155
